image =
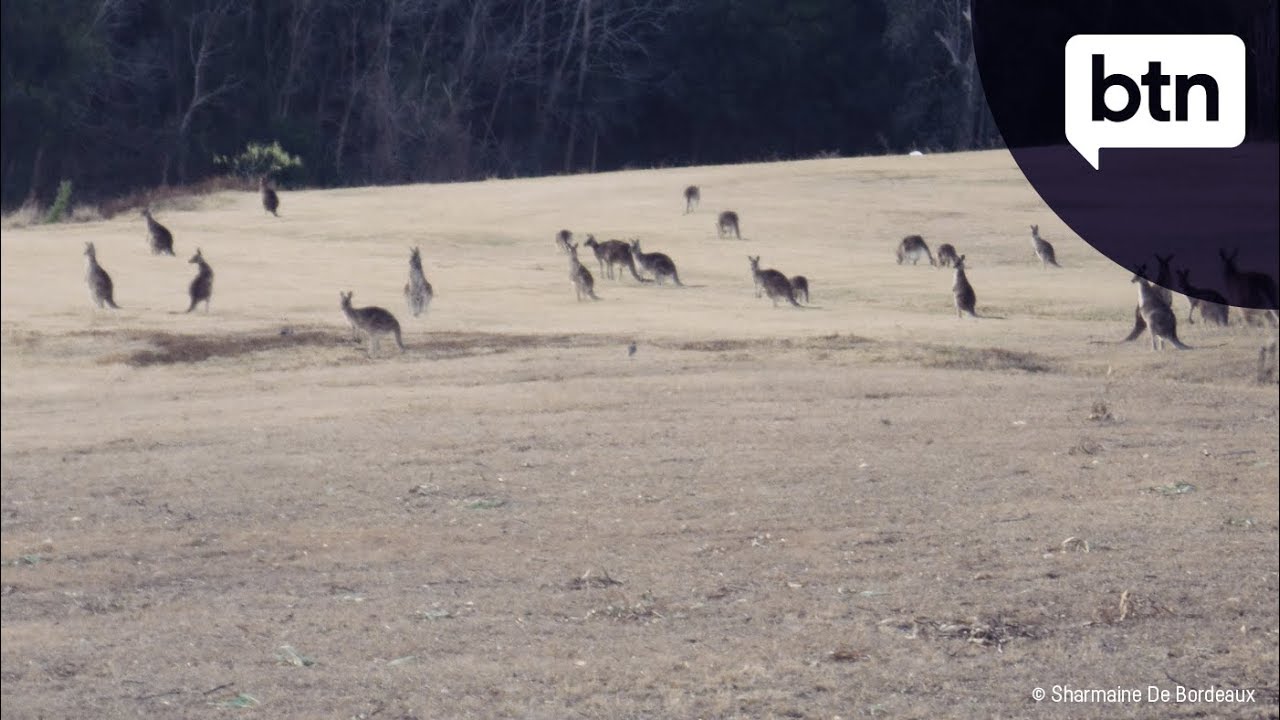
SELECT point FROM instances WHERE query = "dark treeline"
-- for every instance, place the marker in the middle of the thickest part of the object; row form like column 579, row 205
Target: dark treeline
column 117, row 95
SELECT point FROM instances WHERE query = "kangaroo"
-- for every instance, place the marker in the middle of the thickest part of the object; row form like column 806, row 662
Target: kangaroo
column 563, row 238
column 1213, row 307
column 659, row 264
column 1157, row 315
column 947, row 255
column 100, row 287
column 202, row 285
column 1043, row 249
column 160, row 238
column 270, row 200
column 583, row 283
column 911, row 248
column 1164, row 281
column 966, row 300
column 1249, row 289
column 373, row 322
column 692, row 196
column 772, row 283
column 800, row 288
column 614, row 252
column 727, row 224
column 417, row 291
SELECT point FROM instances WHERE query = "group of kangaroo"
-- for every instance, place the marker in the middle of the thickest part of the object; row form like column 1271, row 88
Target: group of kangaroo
column 160, row 240
column 1154, row 311
column 913, row 247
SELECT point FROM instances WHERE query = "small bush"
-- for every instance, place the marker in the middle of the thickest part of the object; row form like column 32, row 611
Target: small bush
column 28, row 214
column 257, row 160
column 60, row 203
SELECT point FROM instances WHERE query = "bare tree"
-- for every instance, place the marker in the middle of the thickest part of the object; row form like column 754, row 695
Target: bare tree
column 204, row 44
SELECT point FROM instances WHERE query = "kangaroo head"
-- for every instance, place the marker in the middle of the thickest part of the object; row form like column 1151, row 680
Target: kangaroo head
column 88, row 249
column 346, row 298
column 1229, row 260
column 755, row 262
column 197, row 258
column 1035, row 230
column 960, row 262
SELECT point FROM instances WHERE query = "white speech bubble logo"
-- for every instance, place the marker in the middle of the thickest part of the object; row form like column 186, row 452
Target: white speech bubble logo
column 1154, row 91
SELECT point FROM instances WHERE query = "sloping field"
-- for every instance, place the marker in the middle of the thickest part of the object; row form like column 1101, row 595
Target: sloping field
column 866, row 508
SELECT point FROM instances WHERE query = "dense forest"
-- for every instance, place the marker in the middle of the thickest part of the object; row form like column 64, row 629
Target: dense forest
column 119, row 95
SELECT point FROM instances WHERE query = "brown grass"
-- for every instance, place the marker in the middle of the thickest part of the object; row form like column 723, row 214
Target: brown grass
column 867, row 509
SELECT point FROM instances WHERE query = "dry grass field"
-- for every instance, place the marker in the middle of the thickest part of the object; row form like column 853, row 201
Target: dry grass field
column 867, row 508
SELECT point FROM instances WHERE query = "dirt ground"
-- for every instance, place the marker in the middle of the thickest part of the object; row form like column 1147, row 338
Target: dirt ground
column 868, row 508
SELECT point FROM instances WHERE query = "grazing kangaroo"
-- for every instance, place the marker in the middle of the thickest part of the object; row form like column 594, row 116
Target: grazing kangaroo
column 947, row 256
column 800, row 287
column 100, row 287
column 417, row 291
column 692, row 196
column 201, row 289
column 158, row 235
column 1164, row 280
column 1157, row 315
column 563, row 238
column 1043, row 249
column 727, row 224
column 374, row 322
column 772, row 283
column 1213, row 307
column 966, row 300
column 614, row 252
column 1249, row 289
column 583, row 283
column 270, row 200
column 912, row 247
column 657, row 263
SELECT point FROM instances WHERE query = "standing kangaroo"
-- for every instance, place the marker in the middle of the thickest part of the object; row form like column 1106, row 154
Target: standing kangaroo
column 966, row 300
column 660, row 264
column 1157, row 315
column 1164, row 280
column 947, row 255
column 159, row 237
column 417, row 291
column 1043, row 249
column 100, row 287
column 772, row 283
column 583, row 283
column 270, row 200
column 373, row 322
column 911, row 248
column 727, row 224
column 201, row 289
column 692, row 196
column 1213, row 307
column 614, row 252
column 1249, row 289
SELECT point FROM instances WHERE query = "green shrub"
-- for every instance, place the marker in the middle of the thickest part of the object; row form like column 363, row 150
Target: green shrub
column 257, row 160
column 60, row 203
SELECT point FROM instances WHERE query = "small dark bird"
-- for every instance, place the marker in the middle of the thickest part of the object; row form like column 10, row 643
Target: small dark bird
column 631, row 350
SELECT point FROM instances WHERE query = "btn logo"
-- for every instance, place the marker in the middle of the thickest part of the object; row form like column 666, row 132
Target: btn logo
column 1154, row 91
